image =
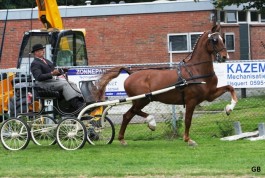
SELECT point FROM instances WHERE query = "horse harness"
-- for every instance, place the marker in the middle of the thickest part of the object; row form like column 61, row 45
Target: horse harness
column 182, row 80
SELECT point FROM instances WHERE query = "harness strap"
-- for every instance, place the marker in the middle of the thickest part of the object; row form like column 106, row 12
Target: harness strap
column 201, row 76
column 182, row 80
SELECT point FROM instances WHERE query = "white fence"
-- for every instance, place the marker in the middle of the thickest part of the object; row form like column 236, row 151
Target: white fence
column 16, row 90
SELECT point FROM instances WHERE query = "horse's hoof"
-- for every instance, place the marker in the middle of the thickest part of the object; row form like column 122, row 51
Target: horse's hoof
column 192, row 143
column 123, row 142
column 227, row 110
column 151, row 127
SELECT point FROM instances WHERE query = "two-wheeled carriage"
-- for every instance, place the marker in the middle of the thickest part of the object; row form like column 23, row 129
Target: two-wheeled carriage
column 56, row 122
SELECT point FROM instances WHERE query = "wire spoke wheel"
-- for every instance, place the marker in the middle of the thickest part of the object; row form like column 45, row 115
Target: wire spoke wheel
column 71, row 134
column 43, row 131
column 15, row 134
column 99, row 131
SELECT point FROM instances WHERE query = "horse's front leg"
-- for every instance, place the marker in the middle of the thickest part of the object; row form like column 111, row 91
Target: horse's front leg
column 234, row 100
column 222, row 90
column 188, row 119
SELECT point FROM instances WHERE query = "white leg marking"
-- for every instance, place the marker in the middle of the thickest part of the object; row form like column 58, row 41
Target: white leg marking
column 230, row 107
column 151, row 122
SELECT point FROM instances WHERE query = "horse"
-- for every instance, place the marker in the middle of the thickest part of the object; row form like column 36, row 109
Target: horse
column 209, row 47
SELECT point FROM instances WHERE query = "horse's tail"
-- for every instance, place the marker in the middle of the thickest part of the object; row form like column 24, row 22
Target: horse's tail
column 106, row 78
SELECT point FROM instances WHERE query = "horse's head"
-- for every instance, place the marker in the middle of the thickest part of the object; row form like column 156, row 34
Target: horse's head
column 216, row 45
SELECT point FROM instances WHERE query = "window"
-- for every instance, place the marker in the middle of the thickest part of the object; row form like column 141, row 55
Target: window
column 182, row 42
column 230, row 42
column 178, row 43
column 231, row 16
column 71, row 50
column 222, row 16
column 262, row 17
column 193, row 39
column 242, row 16
column 254, row 16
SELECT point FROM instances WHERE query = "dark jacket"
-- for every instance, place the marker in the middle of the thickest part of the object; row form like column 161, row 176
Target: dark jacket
column 40, row 70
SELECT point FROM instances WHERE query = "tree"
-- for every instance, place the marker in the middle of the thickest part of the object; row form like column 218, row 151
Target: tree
column 247, row 4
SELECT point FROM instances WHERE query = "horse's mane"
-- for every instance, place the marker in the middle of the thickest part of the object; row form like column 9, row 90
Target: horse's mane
column 106, row 78
column 195, row 45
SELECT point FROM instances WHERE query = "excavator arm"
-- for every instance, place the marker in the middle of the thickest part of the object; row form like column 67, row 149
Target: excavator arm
column 49, row 14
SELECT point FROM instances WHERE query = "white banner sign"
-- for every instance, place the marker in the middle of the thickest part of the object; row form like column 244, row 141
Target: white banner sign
column 114, row 88
column 241, row 74
column 237, row 74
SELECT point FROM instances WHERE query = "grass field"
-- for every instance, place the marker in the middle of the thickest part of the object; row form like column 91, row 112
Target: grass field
column 161, row 158
column 153, row 154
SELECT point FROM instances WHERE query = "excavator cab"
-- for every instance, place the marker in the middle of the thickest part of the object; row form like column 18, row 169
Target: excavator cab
column 64, row 48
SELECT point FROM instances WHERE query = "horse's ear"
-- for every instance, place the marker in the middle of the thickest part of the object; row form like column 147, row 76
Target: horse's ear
column 216, row 28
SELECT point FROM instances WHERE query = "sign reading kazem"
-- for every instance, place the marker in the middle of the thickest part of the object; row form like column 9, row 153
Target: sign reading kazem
column 241, row 74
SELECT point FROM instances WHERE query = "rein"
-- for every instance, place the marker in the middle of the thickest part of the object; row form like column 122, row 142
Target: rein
column 183, row 64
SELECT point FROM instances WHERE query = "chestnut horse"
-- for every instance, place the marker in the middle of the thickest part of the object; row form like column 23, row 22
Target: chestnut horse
column 199, row 68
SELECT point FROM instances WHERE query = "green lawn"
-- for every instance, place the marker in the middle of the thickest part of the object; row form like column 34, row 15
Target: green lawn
column 211, row 157
column 153, row 154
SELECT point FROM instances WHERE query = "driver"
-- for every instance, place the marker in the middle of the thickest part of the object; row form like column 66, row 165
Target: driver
column 46, row 77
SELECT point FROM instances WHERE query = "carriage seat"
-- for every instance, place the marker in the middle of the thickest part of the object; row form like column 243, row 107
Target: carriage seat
column 87, row 88
column 43, row 93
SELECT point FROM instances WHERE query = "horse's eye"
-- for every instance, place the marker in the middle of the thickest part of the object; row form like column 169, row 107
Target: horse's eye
column 215, row 41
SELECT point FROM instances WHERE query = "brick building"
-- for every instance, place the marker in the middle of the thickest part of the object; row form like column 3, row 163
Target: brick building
column 143, row 32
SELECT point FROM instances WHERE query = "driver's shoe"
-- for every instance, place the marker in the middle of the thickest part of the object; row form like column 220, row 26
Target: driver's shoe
column 77, row 103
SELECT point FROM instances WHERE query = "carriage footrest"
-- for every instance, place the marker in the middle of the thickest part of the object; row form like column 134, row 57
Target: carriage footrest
column 46, row 93
column 29, row 114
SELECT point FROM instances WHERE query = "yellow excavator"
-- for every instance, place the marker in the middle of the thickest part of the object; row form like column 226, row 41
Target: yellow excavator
column 64, row 47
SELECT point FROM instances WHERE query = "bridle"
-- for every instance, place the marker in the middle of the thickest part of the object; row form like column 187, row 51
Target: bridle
column 214, row 42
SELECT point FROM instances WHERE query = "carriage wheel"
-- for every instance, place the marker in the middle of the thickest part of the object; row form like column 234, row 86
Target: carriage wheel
column 43, row 130
column 15, row 134
column 99, row 132
column 71, row 134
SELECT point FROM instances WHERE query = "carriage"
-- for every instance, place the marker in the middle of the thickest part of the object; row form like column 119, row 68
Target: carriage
column 53, row 117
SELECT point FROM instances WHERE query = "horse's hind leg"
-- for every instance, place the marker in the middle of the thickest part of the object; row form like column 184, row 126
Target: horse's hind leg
column 127, row 117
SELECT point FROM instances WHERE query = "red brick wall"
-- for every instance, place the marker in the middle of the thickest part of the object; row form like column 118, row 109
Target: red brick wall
column 233, row 29
column 125, row 39
column 257, row 50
